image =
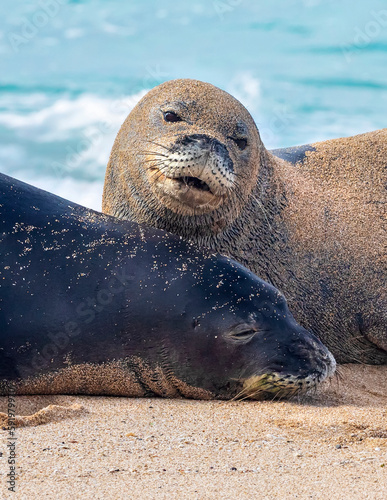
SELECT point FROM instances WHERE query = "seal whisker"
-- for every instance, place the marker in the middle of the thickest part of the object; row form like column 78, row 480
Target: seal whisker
column 292, row 394
column 154, row 153
column 245, row 390
column 157, row 164
column 157, row 175
column 153, row 160
column 242, row 392
column 251, row 395
column 160, row 145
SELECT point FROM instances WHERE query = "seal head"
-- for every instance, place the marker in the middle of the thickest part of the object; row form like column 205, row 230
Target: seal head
column 188, row 147
column 245, row 343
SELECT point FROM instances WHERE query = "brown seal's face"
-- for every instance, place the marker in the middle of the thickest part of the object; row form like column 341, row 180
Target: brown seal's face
column 188, row 147
column 194, row 175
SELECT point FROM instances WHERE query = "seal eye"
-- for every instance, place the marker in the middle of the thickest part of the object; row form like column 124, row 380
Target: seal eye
column 241, row 143
column 242, row 334
column 170, row 116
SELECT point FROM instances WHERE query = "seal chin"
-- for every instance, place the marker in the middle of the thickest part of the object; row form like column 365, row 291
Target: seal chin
column 185, row 195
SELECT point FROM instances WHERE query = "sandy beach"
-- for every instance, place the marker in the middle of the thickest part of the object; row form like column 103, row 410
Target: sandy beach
column 332, row 443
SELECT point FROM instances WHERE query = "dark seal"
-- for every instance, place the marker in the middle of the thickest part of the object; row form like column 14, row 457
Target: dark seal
column 311, row 219
column 90, row 304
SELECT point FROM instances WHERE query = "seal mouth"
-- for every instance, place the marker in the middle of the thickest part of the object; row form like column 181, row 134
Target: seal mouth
column 185, row 194
column 194, row 183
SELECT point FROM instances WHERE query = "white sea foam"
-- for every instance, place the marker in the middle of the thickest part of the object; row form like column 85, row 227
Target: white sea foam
column 58, row 120
column 63, row 146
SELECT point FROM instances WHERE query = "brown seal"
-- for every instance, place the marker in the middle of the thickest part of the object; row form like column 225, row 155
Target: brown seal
column 310, row 220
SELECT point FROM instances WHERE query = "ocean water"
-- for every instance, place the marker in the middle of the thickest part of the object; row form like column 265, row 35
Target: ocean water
column 71, row 70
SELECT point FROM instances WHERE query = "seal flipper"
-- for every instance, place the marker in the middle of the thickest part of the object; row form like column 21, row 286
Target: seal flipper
column 294, row 154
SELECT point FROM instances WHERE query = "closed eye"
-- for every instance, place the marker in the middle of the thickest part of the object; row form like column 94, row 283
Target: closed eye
column 240, row 142
column 242, row 334
column 171, row 116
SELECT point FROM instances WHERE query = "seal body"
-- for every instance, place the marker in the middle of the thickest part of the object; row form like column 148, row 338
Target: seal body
column 311, row 220
column 93, row 305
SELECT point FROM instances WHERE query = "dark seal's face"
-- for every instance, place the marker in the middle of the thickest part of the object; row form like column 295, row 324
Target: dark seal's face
column 188, row 147
column 245, row 343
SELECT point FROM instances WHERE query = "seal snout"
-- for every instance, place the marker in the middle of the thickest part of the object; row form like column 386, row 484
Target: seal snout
column 195, row 172
column 311, row 358
column 318, row 355
column 204, row 161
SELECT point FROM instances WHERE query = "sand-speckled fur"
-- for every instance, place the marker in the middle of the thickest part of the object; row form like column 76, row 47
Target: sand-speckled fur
column 316, row 230
column 93, row 305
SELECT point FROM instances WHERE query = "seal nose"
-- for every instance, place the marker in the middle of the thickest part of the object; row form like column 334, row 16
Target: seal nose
column 308, row 355
column 319, row 354
column 221, row 150
column 211, row 144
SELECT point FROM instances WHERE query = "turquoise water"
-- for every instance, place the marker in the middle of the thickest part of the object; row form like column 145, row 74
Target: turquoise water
column 70, row 71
